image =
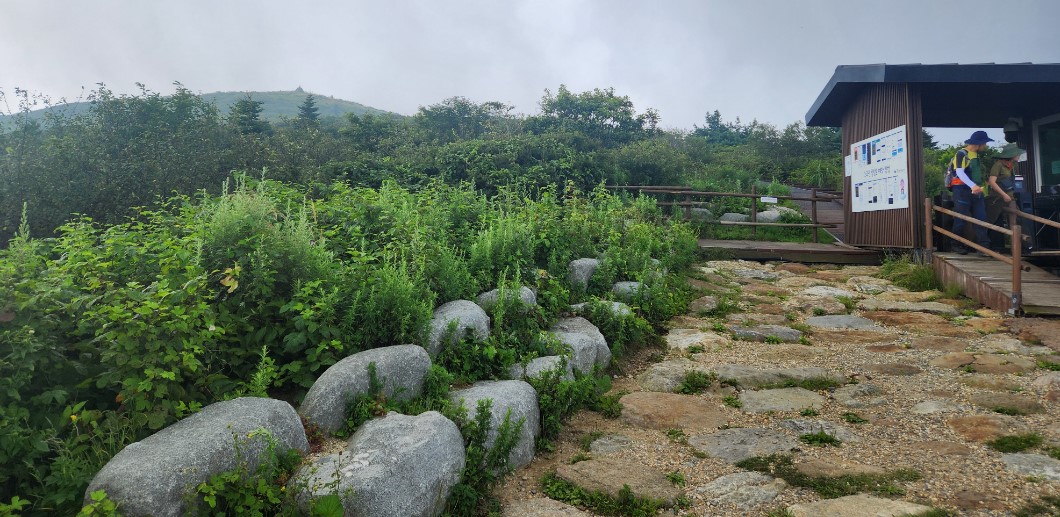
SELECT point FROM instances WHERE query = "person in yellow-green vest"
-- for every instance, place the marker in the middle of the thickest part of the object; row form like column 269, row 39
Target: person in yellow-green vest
column 967, row 190
column 1002, row 190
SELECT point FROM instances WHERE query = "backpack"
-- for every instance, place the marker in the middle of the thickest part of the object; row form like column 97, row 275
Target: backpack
column 951, row 172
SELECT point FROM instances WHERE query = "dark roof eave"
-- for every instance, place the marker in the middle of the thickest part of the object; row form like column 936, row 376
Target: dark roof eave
column 849, row 80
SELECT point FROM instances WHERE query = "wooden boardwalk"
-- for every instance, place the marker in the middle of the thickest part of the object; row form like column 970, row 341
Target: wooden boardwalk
column 989, row 281
column 791, row 251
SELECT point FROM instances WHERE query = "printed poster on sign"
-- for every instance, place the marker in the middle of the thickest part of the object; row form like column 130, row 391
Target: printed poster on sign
column 879, row 172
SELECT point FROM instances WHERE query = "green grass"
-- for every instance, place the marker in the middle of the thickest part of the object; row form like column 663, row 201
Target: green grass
column 732, row 401
column 676, row 478
column 1016, row 442
column 782, row 466
column 853, row 418
column 625, row 504
column 1010, row 411
column 904, row 272
column 696, row 382
column 676, row 434
column 820, row 439
column 809, row 412
column 1048, row 365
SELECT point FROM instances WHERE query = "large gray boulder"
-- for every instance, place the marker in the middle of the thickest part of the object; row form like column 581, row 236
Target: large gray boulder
column 527, row 299
column 469, row 319
column 581, row 270
column 401, row 369
column 520, row 399
column 396, row 465
column 734, row 217
column 588, row 346
column 627, row 291
column 156, row 475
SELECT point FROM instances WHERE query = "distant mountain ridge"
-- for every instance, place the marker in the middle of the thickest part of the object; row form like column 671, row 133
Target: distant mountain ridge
column 276, row 105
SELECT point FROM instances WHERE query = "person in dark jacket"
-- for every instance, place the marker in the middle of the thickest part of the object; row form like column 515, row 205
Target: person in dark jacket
column 967, row 191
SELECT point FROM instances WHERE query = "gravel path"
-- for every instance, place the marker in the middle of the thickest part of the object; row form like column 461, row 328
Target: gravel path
column 937, row 379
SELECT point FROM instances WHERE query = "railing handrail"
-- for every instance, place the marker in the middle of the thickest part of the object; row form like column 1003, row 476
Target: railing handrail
column 1031, row 217
column 699, row 193
column 1014, row 230
column 688, row 193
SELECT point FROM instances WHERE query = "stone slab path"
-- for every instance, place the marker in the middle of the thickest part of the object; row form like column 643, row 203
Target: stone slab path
column 902, row 380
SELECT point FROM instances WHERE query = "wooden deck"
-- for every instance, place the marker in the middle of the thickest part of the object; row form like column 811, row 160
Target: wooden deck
column 791, row 251
column 990, row 282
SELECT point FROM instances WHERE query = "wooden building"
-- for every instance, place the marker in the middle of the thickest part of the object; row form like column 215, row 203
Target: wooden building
column 871, row 103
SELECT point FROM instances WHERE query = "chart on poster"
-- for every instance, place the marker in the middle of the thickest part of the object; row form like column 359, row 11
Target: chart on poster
column 879, row 172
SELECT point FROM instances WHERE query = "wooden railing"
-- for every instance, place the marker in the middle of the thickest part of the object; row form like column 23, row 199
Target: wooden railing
column 1014, row 231
column 687, row 194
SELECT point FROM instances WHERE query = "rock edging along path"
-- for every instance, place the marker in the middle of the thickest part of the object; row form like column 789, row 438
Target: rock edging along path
column 395, row 465
column 895, row 382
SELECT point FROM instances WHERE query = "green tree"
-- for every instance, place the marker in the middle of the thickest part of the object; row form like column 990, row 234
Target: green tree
column 457, row 118
column 600, row 114
column 308, row 111
column 245, row 115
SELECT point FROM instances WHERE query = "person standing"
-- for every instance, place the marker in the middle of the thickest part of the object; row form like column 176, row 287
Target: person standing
column 1002, row 190
column 967, row 191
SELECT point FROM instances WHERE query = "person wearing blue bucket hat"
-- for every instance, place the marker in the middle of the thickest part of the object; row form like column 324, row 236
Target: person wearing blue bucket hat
column 967, row 190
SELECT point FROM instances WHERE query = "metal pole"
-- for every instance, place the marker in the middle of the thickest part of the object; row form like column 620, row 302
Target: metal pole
column 813, row 212
column 1017, row 271
column 754, row 210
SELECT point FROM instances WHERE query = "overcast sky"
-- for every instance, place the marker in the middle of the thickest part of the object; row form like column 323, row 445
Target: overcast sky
column 754, row 59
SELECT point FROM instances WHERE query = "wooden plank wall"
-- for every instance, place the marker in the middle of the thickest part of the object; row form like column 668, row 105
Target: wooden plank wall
column 880, row 108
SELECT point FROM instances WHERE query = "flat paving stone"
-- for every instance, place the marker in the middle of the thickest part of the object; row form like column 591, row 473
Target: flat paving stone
column 681, row 339
column 666, row 376
column 843, row 321
column 989, row 382
column 755, row 377
column 610, row 475
column 931, row 407
column 735, row 445
column 664, row 411
column 765, row 332
column 610, row 444
column 859, row 505
column 860, row 395
column 743, row 489
column 801, row 426
column 982, row 428
column 926, row 307
column 1037, row 465
column 784, row 399
column 542, row 507
column 1009, row 402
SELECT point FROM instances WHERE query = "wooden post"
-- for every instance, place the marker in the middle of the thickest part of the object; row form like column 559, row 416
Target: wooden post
column 813, row 213
column 688, row 207
column 1017, row 269
column 929, row 225
column 754, row 210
